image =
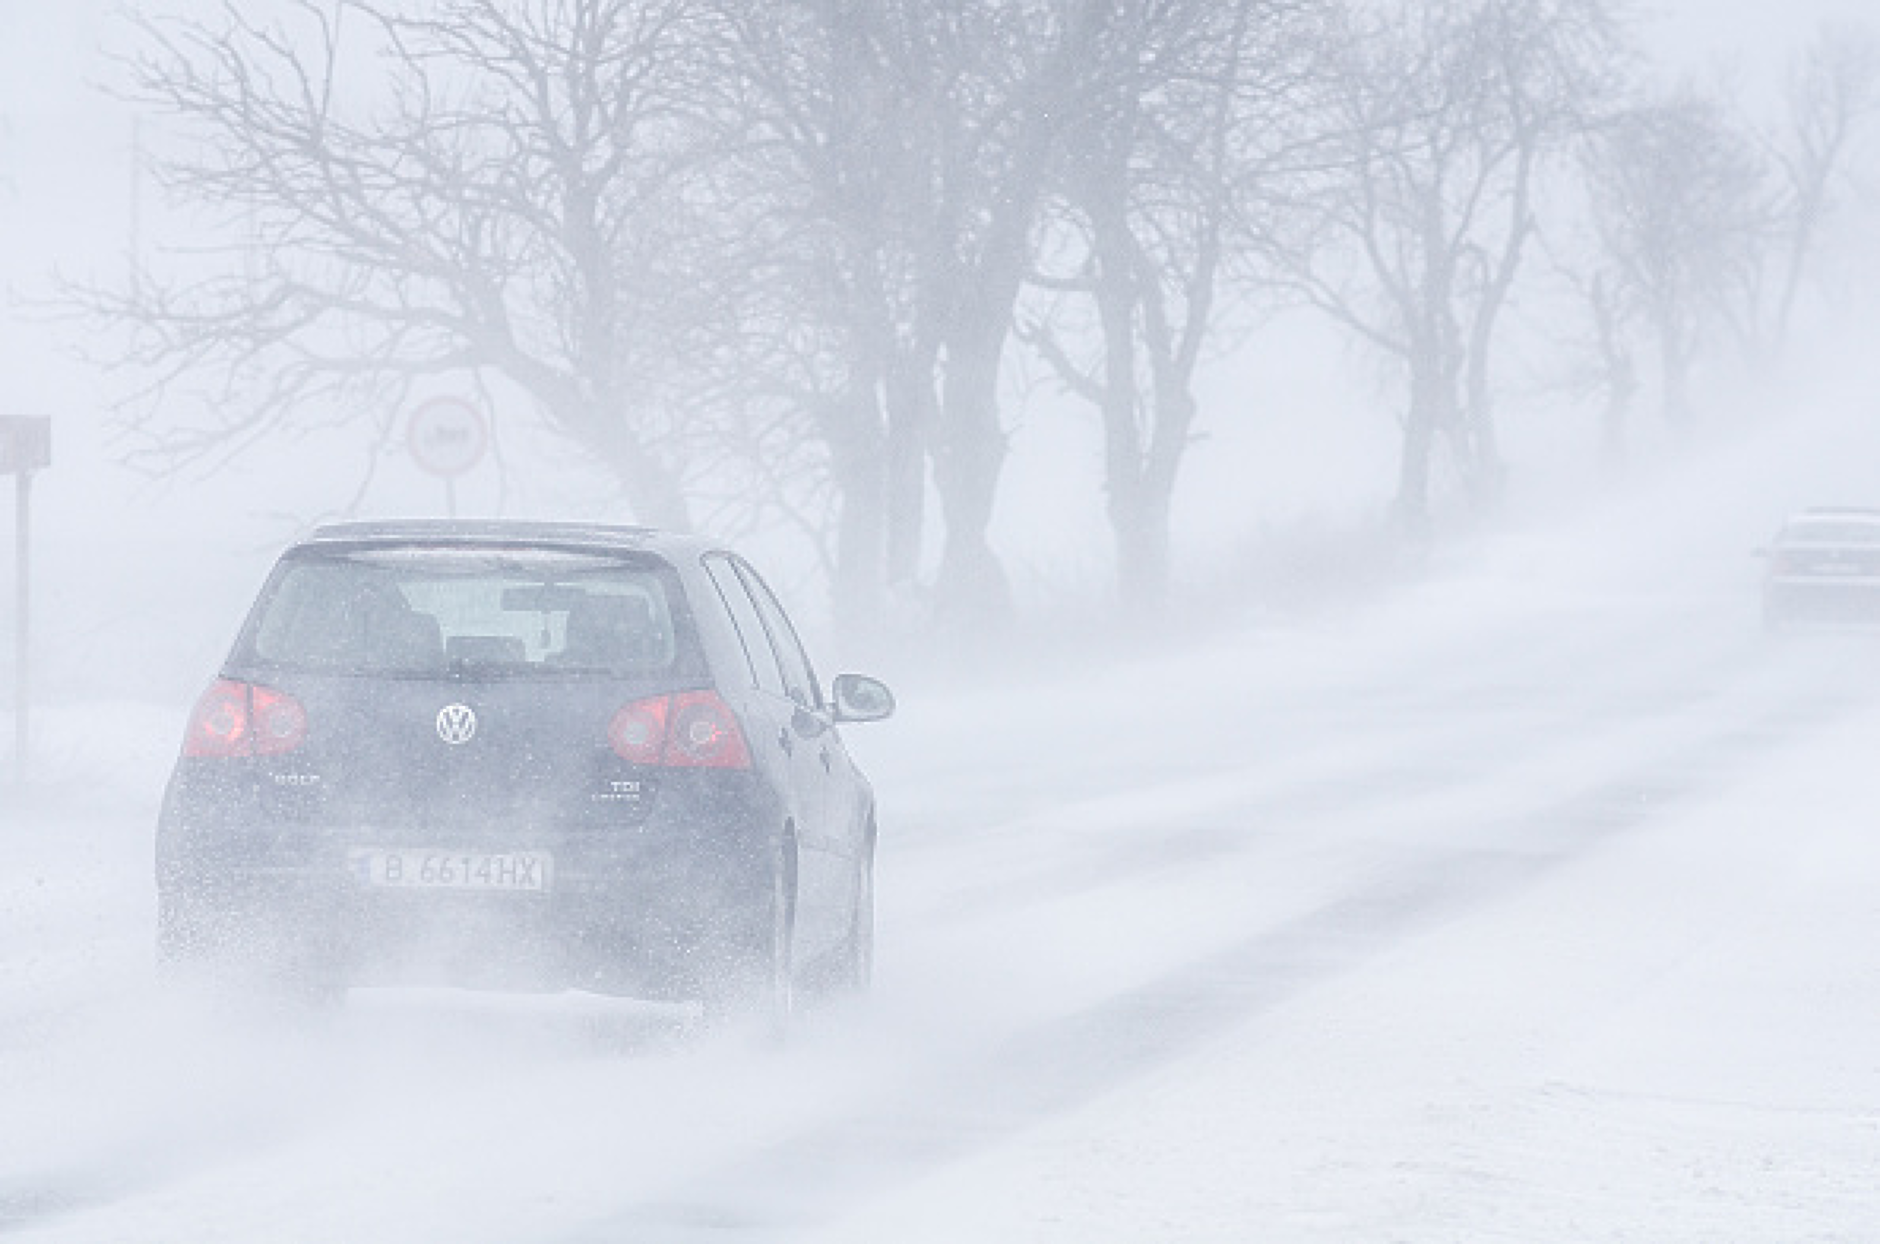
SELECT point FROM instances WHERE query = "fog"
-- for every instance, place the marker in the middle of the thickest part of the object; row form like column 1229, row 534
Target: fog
column 1508, row 881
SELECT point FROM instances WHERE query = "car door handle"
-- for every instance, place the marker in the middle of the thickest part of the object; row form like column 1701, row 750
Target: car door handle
column 827, row 763
column 784, row 741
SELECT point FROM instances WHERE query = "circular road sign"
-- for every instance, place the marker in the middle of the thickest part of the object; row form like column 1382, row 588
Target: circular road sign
column 447, row 436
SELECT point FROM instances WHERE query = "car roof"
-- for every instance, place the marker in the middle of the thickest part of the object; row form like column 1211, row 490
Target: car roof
column 600, row 537
column 1831, row 525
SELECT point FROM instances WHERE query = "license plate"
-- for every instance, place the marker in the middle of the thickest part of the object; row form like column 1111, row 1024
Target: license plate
column 451, row 870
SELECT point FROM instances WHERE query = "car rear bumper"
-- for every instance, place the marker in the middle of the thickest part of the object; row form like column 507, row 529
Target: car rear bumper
column 631, row 941
column 636, row 911
column 1822, row 600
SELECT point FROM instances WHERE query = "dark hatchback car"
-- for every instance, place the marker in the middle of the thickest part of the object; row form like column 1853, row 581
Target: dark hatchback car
column 522, row 756
column 1823, row 566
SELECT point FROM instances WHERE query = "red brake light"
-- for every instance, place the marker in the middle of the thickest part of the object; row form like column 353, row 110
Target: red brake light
column 280, row 723
column 704, row 733
column 236, row 719
column 638, row 731
column 691, row 730
column 219, row 726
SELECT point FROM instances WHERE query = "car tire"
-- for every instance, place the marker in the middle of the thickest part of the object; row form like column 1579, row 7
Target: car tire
column 197, row 945
column 310, row 989
column 179, row 941
column 858, row 953
column 755, row 982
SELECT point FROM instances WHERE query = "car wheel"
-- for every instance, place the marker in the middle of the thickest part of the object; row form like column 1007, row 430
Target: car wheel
column 858, row 959
column 779, row 998
column 757, row 982
column 199, row 945
column 310, row 989
column 179, row 945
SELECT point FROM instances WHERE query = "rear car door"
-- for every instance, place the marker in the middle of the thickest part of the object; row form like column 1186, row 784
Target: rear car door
column 797, row 724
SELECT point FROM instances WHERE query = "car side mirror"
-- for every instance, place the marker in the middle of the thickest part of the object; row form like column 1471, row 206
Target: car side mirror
column 861, row 698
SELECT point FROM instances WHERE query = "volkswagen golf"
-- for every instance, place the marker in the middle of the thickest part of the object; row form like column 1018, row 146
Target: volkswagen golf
column 522, row 756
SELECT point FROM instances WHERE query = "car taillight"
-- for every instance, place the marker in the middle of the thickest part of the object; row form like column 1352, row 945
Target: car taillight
column 703, row 733
column 240, row 719
column 690, row 730
column 638, row 731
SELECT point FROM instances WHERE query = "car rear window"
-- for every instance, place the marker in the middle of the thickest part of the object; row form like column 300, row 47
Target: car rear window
column 503, row 612
column 1832, row 531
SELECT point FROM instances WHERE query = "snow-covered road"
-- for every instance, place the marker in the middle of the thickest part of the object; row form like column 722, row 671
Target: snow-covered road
column 1538, row 903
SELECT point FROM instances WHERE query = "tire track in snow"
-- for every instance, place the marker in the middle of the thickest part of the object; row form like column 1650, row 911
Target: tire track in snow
column 1109, row 848
column 1057, row 1066
column 787, row 1189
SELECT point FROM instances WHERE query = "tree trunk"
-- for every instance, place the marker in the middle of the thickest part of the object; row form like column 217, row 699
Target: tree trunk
column 1413, row 474
column 653, row 491
column 1142, row 555
column 1487, row 472
column 969, row 457
column 1431, row 359
column 1125, row 481
column 858, row 464
column 970, row 451
column 1174, row 417
column 1485, row 467
column 1139, row 476
column 1421, row 425
column 911, row 410
column 1619, row 377
column 1675, row 367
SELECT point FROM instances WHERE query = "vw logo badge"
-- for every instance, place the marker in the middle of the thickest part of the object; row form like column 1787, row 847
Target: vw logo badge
column 456, row 724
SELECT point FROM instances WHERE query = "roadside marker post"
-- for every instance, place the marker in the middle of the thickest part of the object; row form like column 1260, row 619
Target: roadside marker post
column 25, row 447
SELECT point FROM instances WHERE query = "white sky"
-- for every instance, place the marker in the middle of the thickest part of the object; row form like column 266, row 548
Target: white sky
column 1296, row 433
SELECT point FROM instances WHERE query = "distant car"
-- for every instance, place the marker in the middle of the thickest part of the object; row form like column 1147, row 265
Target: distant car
column 1823, row 565
column 523, row 756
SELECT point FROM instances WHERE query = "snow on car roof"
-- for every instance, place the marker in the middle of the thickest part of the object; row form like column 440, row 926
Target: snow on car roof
column 482, row 529
column 1837, row 526
column 539, row 532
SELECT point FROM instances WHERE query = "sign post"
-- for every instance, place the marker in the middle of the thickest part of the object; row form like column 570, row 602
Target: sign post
column 447, row 436
column 25, row 447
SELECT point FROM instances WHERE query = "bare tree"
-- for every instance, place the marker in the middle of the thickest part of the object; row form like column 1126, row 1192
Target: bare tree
column 1682, row 205
column 1602, row 353
column 1834, row 95
column 1440, row 116
column 1022, row 85
column 491, row 186
column 1189, row 99
column 1705, row 229
column 759, row 257
column 912, row 145
column 841, row 128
